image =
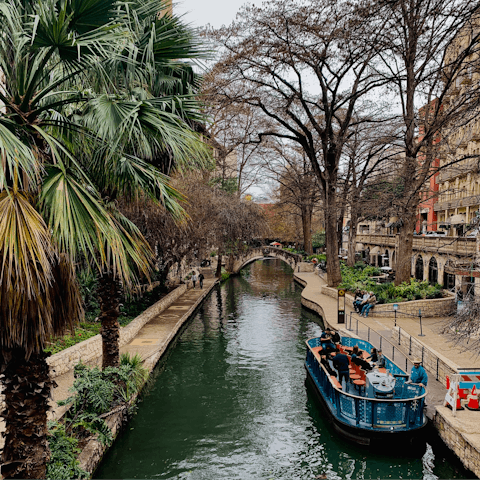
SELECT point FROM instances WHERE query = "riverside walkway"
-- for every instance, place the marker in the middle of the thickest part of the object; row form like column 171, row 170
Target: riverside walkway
column 461, row 433
column 150, row 342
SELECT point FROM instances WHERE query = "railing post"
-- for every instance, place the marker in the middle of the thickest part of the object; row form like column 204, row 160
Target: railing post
column 357, row 327
column 399, row 334
column 368, row 335
column 437, row 368
column 422, row 354
column 393, row 353
column 410, row 348
column 420, row 316
column 381, row 336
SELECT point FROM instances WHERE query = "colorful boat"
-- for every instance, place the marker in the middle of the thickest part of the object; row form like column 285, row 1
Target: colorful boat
column 378, row 408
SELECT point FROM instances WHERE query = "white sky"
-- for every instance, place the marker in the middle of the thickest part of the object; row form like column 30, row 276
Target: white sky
column 202, row 12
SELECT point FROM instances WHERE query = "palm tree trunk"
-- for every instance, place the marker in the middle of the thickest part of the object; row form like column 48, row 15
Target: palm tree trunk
column 27, row 388
column 109, row 294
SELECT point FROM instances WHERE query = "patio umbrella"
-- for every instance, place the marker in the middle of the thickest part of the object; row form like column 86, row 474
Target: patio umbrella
column 275, row 244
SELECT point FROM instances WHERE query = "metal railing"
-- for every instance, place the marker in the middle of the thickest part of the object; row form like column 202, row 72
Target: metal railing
column 391, row 348
column 380, row 342
column 403, row 412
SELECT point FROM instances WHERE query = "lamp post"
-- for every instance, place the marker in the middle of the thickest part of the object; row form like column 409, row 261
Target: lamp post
column 420, row 316
column 395, row 308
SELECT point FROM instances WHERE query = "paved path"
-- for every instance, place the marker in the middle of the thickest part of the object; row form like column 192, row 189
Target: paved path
column 150, row 343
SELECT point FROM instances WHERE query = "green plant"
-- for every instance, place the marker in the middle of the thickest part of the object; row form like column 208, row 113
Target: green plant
column 225, row 276
column 138, row 372
column 213, row 254
column 64, row 449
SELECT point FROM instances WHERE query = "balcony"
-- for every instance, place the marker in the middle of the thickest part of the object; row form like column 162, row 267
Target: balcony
column 459, row 246
column 457, row 202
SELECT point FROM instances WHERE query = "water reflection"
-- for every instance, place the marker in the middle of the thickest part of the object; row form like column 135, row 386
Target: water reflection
column 231, row 400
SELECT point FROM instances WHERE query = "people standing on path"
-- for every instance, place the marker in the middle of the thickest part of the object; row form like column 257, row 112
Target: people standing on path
column 418, row 375
column 200, row 280
column 194, row 279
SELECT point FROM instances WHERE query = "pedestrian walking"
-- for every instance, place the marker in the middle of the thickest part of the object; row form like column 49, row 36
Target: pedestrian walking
column 194, row 278
column 200, row 279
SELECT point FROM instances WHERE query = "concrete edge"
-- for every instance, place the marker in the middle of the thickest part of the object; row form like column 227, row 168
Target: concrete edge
column 94, row 451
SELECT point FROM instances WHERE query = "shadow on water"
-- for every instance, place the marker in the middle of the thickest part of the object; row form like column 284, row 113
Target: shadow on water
column 229, row 399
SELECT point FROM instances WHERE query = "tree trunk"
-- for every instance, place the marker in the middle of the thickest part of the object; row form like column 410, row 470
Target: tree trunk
column 403, row 269
column 307, row 229
column 218, row 273
column 109, row 294
column 334, row 275
column 352, row 240
column 27, row 388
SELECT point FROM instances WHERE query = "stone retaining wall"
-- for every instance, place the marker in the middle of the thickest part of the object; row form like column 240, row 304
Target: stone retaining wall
column 457, row 441
column 431, row 359
column 90, row 349
column 305, row 267
column 435, row 307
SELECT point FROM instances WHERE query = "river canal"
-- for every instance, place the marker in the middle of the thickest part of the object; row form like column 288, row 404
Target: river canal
column 230, row 401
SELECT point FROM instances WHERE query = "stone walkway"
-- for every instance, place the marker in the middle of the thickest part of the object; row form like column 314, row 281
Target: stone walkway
column 150, row 343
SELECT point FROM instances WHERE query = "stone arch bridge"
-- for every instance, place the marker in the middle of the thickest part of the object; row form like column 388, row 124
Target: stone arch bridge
column 235, row 263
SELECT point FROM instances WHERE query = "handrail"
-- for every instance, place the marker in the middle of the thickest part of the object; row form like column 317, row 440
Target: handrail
column 378, row 400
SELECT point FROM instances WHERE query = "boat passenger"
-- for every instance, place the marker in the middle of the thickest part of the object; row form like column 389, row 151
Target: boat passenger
column 373, row 355
column 326, row 340
column 340, row 362
column 418, row 375
column 324, row 361
column 358, row 360
column 381, row 359
column 335, row 337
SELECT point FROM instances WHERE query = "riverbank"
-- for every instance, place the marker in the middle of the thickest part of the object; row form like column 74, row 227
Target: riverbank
column 149, row 336
column 460, row 432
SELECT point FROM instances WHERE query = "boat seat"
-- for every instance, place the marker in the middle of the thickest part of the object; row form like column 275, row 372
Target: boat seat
column 335, row 382
column 316, row 352
column 382, row 370
column 355, row 377
column 360, row 384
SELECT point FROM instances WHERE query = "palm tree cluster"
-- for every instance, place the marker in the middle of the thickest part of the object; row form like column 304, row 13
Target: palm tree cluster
column 97, row 103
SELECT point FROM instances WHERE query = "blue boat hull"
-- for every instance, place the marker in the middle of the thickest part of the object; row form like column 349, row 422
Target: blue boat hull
column 381, row 439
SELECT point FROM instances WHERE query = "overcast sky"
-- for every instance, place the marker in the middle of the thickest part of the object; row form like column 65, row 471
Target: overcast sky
column 202, row 12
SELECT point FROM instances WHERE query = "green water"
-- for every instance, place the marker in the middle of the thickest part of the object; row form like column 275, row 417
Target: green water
column 230, row 400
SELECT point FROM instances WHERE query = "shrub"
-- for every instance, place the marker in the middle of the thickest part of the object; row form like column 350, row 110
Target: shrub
column 353, row 278
column 64, row 450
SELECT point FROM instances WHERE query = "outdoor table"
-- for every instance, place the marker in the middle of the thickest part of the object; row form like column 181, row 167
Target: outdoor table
column 380, row 384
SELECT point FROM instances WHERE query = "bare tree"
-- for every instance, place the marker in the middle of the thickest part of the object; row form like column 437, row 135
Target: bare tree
column 233, row 132
column 428, row 48
column 298, row 189
column 306, row 66
column 371, row 155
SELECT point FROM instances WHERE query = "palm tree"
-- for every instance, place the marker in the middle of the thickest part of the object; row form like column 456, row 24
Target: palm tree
column 76, row 126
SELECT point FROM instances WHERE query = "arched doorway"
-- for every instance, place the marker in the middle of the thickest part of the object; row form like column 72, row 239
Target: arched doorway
column 419, row 268
column 432, row 271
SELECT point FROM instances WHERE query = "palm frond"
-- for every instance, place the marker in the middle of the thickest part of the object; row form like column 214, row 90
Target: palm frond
column 33, row 278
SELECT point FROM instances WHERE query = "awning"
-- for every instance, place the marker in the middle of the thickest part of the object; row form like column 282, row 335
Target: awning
column 458, row 219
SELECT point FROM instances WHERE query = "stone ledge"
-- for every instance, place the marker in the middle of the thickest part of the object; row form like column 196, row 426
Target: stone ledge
column 435, row 307
column 460, row 436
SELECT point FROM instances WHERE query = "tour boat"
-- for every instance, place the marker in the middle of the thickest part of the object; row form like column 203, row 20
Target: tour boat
column 373, row 408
